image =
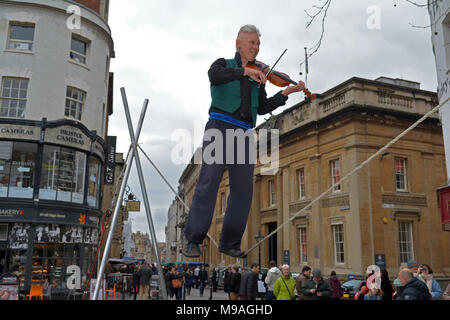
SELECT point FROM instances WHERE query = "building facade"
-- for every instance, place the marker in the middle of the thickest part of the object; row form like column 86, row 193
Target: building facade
column 387, row 213
column 54, row 107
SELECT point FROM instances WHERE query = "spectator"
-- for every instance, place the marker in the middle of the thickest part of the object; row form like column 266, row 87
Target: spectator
column 386, row 286
column 196, row 272
column 226, row 281
column 203, row 279
column 215, row 278
column 397, row 284
column 188, row 281
column 446, row 295
column 135, row 281
column 412, row 288
column 235, row 283
column 335, row 285
column 249, row 283
column 374, row 294
column 301, row 279
column 272, row 275
column 426, row 275
column 413, row 267
column 145, row 275
column 316, row 288
column 284, row 287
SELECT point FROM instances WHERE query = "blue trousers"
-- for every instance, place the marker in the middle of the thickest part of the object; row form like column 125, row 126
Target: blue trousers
column 240, row 181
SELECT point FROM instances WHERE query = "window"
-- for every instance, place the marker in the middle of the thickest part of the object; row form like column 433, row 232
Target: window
column 405, row 237
column 336, row 174
column 223, row 203
column 78, row 50
column 301, row 183
column 63, row 175
column 303, row 245
column 23, row 161
column 94, row 181
column 3, row 232
column 75, row 99
column 271, row 192
column 13, row 97
column 338, row 233
column 400, row 174
column 5, row 166
column 21, row 36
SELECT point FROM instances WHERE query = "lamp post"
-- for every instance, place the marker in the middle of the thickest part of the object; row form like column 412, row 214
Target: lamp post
column 205, row 245
column 258, row 238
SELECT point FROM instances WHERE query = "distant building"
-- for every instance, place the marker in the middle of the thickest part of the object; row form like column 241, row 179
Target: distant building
column 142, row 246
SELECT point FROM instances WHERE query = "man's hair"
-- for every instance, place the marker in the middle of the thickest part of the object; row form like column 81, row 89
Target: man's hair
column 254, row 265
column 306, row 268
column 249, row 28
column 406, row 274
column 272, row 264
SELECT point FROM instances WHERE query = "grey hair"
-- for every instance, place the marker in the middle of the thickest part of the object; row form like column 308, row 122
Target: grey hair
column 249, row 28
column 407, row 274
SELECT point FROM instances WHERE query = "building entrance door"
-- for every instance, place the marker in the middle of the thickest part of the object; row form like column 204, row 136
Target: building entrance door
column 273, row 252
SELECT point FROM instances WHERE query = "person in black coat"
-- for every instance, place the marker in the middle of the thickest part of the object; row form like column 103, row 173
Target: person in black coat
column 203, row 279
column 412, row 288
column 136, row 281
column 235, row 283
column 386, row 286
column 249, row 283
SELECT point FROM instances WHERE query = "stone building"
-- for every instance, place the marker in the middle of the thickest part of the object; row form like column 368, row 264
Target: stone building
column 142, row 246
column 386, row 213
column 55, row 99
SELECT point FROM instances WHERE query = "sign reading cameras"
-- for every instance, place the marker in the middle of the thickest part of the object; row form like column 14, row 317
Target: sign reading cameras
column 439, row 12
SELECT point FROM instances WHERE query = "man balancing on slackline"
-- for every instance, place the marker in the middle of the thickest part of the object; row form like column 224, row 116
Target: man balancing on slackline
column 238, row 96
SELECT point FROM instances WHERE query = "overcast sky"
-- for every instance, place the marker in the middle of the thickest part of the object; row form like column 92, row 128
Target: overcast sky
column 164, row 49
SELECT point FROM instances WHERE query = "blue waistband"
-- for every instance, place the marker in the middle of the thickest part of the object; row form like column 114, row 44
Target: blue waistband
column 230, row 119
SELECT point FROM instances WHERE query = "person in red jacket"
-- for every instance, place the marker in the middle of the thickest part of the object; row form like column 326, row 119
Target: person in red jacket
column 336, row 286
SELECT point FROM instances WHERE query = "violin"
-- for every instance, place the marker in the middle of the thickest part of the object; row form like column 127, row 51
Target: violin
column 278, row 78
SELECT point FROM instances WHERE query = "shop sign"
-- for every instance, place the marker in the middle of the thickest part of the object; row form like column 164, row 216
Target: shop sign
column 133, row 206
column 11, row 131
column 110, row 160
column 15, row 214
column 62, row 217
column 68, row 136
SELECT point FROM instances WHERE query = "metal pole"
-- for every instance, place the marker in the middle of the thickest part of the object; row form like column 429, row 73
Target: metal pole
column 162, row 283
column 129, row 163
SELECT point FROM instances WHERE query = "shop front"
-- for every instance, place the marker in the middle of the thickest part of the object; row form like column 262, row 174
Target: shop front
column 50, row 182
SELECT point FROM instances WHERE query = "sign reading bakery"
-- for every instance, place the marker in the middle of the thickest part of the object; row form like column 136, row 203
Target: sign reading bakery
column 68, row 136
column 15, row 214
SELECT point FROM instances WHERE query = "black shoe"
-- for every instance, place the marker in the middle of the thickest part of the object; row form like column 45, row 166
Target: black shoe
column 191, row 250
column 233, row 253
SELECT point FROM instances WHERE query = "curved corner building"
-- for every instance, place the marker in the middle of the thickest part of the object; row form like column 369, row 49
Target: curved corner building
column 55, row 100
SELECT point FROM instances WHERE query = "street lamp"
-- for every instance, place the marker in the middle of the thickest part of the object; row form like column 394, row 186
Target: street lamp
column 205, row 245
column 258, row 238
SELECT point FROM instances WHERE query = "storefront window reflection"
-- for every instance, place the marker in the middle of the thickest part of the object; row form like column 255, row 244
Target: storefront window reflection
column 94, row 181
column 63, row 175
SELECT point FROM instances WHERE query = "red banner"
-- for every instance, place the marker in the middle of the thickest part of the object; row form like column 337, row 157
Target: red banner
column 444, row 197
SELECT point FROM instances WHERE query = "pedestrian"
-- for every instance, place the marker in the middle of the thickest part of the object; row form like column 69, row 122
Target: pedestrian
column 413, row 267
column 446, row 294
column 238, row 95
column 317, row 288
column 215, row 278
column 374, row 294
column 249, row 283
column 188, row 281
column 170, row 275
column 398, row 284
column 135, row 281
column 426, row 275
column 196, row 272
column 301, row 279
column 284, row 287
column 203, row 279
column 335, row 286
column 145, row 275
column 235, row 283
column 272, row 275
column 386, row 286
column 226, row 280
column 412, row 288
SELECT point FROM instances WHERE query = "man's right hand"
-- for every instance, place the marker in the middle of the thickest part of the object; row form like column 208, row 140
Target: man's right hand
column 256, row 75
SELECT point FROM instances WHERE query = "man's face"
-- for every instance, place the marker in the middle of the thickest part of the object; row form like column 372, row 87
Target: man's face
column 247, row 44
column 402, row 279
column 307, row 273
column 286, row 272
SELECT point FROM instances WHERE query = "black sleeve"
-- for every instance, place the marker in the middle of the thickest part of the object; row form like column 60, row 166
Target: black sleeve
column 268, row 105
column 219, row 73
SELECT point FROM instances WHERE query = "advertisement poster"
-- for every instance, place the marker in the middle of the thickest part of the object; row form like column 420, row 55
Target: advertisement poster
column 9, row 292
column 101, row 292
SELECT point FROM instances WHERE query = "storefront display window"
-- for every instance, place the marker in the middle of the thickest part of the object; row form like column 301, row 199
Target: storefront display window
column 21, row 183
column 5, row 166
column 94, row 181
column 63, row 175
